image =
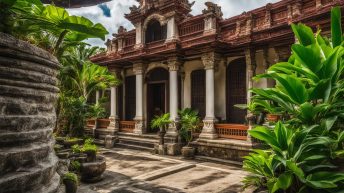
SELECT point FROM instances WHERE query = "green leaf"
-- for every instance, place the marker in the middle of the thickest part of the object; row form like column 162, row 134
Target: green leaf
column 266, row 135
column 310, row 57
column 322, row 90
column 329, row 68
column 284, row 181
column 303, row 33
column 297, row 171
column 293, row 87
column 336, row 26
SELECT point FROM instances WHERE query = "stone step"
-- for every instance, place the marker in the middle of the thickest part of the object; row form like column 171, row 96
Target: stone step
column 144, row 136
column 99, row 142
column 137, row 141
column 134, row 147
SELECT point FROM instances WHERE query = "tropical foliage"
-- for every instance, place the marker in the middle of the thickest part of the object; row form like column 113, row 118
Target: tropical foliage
column 309, row 90
column 189, row 121
column 30, row 19
column 161, row 122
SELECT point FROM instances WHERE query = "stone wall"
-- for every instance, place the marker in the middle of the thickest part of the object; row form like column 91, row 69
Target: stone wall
column 28, row 93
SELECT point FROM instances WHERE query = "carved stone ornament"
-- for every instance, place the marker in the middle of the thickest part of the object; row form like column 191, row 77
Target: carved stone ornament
column 173, row 64
column 162, row 20
column 138, row 68
column 121, row 30
column 214, row 9
column 210, row 60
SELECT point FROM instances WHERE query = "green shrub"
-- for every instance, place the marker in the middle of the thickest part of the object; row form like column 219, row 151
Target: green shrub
column 89, row 148
column 75, row 166
column 76, row 148
column 71, row 177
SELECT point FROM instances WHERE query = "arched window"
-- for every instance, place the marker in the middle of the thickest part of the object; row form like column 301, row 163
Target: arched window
column 155, row 31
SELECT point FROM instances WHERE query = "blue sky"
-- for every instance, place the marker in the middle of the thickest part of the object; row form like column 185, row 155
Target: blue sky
column 111, row 14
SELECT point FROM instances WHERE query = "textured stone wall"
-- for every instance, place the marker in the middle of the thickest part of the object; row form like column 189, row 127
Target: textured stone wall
column 28, row 92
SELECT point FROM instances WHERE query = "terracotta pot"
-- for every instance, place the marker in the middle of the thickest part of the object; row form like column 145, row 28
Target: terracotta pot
column 90, row 122
column 71, row 186
column 188, row 152
column 273, row 118
column 92, row 171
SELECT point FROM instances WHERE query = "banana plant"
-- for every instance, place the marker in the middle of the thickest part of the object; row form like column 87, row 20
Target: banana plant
column 30, row 16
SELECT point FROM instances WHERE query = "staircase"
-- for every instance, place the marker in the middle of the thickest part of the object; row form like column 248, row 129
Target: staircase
column 144, row 142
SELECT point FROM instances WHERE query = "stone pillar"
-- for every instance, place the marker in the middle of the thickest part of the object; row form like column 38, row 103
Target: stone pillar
column 173, row 65
column 28, row 94
column 172, row 30
column 139, row 118
column 250, row 72
column 114, row 119
column 210, row 60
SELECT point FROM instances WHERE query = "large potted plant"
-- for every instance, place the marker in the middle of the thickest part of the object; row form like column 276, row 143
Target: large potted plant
column 94, row 167
column 304, row 152
column 190, row 121
column 161, row 122
column 30, row 84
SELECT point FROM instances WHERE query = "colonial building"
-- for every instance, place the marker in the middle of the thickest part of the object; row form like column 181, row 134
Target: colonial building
column 174, row 60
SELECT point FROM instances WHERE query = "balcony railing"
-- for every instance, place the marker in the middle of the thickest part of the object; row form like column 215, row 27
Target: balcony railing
column 127, row 126
column 232, row 131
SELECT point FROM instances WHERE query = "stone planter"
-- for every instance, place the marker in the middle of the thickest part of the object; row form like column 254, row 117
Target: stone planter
column 28, row 93
column 188, row 152
column 92, row 171
column 71, row 186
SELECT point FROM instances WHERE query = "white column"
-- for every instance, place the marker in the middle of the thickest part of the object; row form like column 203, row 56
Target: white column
column 209, row 60
column 173, row 65
column 97, row 96
column 172, row 30
column 250, row 71
column 139, row 119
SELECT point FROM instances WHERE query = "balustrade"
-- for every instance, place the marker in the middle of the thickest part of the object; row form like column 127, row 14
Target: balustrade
column 127, row 126
column 231, row 131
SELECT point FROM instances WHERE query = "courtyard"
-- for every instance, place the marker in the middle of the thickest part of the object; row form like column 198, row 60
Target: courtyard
column 171, row 96
column 133, row 171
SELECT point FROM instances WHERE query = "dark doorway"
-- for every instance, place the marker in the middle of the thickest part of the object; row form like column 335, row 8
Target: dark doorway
column 155, row 31
column 157, row 97
column 236, row 90
column 198, row 92
column 130, row 98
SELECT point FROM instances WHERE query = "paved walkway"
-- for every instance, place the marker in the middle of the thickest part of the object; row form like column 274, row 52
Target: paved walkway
column 131, row 171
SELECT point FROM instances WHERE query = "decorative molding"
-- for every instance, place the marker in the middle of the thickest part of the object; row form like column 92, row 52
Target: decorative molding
column 162, row 20
column 210, row 60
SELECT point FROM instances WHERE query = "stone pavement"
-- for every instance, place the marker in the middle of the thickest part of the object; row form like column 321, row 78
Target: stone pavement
column 132, row 171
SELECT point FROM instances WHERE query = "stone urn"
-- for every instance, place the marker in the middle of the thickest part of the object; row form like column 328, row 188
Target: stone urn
column 92, row 171
column 188, row 152
column 28, row 93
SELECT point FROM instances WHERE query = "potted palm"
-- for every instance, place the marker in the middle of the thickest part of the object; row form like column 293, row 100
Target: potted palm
column 161, row 123
column 190, row 121
column 70, row 180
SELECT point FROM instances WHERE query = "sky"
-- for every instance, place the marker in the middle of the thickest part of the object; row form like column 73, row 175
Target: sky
column 111, row 14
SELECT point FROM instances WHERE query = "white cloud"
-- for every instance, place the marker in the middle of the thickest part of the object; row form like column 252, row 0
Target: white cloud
column 120, row 7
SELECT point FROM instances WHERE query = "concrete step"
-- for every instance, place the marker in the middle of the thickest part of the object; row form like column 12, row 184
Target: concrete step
column 99, row 142
column 144, row 136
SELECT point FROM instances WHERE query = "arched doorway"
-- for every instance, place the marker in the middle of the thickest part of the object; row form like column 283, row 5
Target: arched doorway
column 155, row 31
column 236, row 90
column 157, row 94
